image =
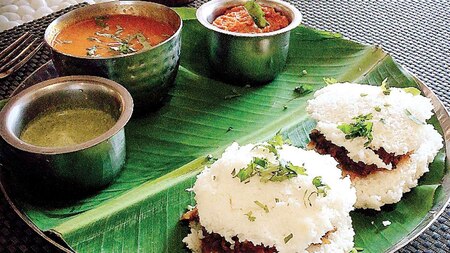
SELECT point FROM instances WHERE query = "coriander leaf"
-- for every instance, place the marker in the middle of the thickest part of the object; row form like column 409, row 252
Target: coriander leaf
column 91, row 51
column 360, row 128
column 255, row 11
column 377, row 108
column 413, row 118
column 412, row 90
column 94, row 39
column 320, row 186
column 250, row 216
column 363, row 94
column 143, row 40
column 101, row 21
column 329, row 80
column 299, row 170
column 385, row 87
column 266, row 209
column 277, row 140
column 245, row 173
column 287, row 238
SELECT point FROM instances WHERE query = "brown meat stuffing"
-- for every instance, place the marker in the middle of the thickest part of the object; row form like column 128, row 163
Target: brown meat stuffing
column 350, row 167
column 215, row 243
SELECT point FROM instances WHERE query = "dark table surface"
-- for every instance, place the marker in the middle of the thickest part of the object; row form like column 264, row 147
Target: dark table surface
column 416, row 33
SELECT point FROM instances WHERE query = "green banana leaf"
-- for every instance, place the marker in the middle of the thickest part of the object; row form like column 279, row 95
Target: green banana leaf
column 140, row 211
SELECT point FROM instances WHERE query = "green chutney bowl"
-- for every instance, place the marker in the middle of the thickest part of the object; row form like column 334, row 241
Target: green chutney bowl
column 76, row 168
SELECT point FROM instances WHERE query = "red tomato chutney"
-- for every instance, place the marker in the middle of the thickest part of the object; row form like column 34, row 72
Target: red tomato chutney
column 237, row 19
column 111, row 35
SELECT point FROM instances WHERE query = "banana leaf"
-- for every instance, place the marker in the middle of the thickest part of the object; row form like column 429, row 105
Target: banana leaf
column 166, row 149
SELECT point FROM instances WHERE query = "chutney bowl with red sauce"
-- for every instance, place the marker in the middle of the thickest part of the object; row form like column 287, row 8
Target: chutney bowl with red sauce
column 148, row 74
column 247, row 58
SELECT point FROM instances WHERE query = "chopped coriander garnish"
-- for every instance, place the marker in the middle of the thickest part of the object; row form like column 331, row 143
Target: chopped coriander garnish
column 94, row 39
column 320, row 186
column 363, row 94
column 250, row 216
column 383, row 121
column 101, row 21
column 275, row 172
column 304, row 72
column 287, row 238
column 303, row 89
column 91, row 50
column 413, row 118
column 277, row 200
column 385, row 87
column 386, row 105
column 143, row 40
column 266, row 209
column 329, row 80
column 360, row 128
column 255, row 11
column 356, row 250
column 377, row 108
column 412, row 90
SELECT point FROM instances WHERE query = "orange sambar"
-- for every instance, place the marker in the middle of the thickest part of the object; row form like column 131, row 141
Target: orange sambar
column 237, row 19
column 111, row 35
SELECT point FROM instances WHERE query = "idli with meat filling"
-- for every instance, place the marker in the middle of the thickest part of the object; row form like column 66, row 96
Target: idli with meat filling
column 271, row 197
column 378, row 135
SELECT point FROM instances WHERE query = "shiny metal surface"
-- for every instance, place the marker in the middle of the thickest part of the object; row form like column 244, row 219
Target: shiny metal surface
column 245, row 57
column 77, row 168
column 147, row 74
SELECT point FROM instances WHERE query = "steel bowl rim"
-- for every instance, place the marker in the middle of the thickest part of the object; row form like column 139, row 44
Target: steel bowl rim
column 126, row 110
column 295, row 22
column 113, row 3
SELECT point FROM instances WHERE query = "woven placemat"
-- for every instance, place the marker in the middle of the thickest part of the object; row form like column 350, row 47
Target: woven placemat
column 416, row 33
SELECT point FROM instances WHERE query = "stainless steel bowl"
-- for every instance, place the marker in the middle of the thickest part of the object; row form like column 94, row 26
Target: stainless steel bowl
column 69, row 169
column 247, row 57
column 147, row 74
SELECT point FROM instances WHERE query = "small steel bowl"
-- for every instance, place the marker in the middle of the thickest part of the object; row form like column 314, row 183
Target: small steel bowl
column 147, row 74
column 79, row 168
column 247, row 57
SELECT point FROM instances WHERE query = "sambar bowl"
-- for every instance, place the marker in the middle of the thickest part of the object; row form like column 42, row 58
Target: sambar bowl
column 77, row 167
column 148, row 74
column 254, row 58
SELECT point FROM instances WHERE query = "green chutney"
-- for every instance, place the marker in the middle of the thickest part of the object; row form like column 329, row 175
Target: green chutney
column 66, row 127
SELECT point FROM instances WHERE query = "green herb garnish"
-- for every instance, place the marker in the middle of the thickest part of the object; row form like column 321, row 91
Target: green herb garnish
column 377, row 108
column 91, row 50
column 101, row 21
column 304, row 72
column 287, row 238
column 250, row 216
column 267, row 171
column 385, row 87
column 363, row 94
column 362, row 127
column 320, row 186
column 356, row 250
column 143, row 40
column 329, row 80
column 266, row 209
column 413, row 118
column 123, row 48
column 412, row 90
column 255, row 11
